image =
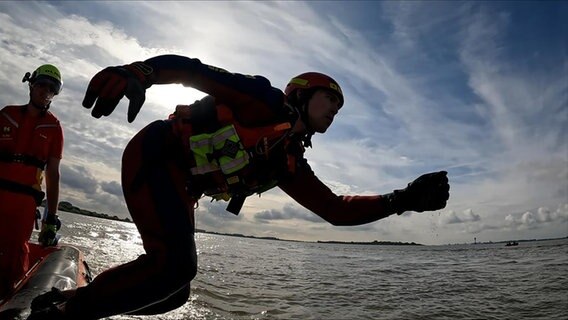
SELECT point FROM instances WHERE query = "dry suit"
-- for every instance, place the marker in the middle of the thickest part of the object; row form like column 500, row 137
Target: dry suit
column 26, row 144
column 161, row 190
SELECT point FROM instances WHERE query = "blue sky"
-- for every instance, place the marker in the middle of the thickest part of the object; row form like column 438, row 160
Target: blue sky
column 478, row 89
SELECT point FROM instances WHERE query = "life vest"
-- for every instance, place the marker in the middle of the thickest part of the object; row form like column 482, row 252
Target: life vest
column 24, row 155
column 231, row 161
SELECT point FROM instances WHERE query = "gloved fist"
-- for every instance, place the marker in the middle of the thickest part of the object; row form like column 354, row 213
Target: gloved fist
column 48, row 234
column 112, row 83
column 429, row 192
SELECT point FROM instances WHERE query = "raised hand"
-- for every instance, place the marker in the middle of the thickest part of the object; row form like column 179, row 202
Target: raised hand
column 107, row 88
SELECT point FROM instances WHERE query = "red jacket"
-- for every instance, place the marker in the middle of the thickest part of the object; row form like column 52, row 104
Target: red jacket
column 26, row 143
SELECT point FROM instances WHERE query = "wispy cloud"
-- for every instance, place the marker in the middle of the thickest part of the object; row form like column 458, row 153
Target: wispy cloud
column 466, row 87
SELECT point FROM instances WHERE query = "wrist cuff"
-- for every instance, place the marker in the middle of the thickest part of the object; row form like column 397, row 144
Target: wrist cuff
column 394, row 202
column 50, row 218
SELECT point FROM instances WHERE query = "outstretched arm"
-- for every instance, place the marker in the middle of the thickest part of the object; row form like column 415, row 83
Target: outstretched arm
column 107, row 87
column 224, row 85
column 315, row 196
column 427, row 193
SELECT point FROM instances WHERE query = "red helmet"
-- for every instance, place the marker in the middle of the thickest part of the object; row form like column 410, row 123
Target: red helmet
column 311, row 80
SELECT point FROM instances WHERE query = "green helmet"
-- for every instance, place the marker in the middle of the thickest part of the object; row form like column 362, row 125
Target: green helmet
column 46, row 73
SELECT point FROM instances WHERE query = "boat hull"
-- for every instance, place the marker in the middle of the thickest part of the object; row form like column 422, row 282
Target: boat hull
column 62, row 267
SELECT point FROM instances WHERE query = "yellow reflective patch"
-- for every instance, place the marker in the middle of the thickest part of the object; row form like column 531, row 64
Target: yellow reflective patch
column 221, row 149
column 335, row 87
column 299, row 81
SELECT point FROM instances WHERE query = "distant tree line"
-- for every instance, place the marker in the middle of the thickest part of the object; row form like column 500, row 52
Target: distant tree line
column 382, row 243
column 68, row 207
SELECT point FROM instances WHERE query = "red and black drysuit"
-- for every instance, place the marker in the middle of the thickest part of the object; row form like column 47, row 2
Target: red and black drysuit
column 26, row 144
column 155, row 175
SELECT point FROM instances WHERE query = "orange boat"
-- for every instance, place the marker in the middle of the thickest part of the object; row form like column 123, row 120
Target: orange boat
column 62, row 267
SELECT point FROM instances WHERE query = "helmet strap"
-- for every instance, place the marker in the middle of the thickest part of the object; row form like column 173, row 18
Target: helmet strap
column 306, row 120
column 301, row 101
column 307, row 140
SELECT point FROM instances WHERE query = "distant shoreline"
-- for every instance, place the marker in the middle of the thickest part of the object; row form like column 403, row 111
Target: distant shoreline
column 384, row 243
column 68, row 207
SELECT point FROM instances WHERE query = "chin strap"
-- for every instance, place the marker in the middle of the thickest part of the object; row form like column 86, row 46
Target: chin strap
column 307, row 139
column 301, row 113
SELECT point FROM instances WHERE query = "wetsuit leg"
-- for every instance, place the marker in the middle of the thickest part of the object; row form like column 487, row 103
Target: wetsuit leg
column 173, row 302
column 153, row 181
column 17, row 214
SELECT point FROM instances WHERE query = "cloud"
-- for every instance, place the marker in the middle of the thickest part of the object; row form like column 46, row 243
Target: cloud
column 468, row 87
column 542, row 217
column 78, row 178
column 452, row 217
column 112, row 187
column 288, row 212
column 212, row 215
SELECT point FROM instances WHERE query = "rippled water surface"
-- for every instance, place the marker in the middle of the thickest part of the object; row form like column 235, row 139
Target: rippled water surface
column 242, row 278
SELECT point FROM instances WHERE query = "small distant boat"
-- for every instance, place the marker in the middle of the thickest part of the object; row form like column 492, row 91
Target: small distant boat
column 512, row 243
column 61, row 267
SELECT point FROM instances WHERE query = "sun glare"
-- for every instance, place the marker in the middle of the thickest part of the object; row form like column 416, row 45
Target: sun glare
column 169, row 96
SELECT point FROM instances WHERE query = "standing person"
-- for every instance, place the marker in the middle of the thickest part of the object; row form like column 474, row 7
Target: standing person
column 245, row 137
column 31, row 145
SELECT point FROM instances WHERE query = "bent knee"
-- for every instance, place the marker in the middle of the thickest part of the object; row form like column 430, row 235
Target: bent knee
column 176, row 271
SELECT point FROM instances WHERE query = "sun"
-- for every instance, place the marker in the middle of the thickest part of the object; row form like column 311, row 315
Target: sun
column 169, row 96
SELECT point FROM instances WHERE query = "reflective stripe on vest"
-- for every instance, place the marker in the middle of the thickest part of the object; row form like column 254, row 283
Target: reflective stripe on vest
column 12, row 121
column 47, row 125
column 220, row 150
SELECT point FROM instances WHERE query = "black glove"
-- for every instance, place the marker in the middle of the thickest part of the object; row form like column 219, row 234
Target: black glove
column 429, row 192
column 111, row 84
column 48, row 234
column 47, row 305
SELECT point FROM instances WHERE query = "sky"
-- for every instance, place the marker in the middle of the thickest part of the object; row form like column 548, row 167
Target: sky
column 478, row 89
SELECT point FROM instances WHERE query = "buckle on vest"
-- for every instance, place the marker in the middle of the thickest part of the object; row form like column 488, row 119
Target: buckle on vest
column 230, row 149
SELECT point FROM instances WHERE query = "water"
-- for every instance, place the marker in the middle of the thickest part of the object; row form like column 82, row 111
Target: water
column 242, row 278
